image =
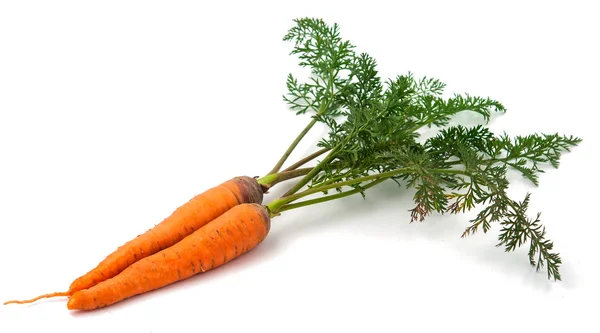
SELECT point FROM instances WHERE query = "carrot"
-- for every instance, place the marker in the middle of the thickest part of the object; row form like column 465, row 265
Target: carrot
column 189, row 217
column 227, row 237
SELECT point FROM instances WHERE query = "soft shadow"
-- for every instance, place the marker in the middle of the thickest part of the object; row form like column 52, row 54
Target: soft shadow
column 89, row 314
column 395, row 223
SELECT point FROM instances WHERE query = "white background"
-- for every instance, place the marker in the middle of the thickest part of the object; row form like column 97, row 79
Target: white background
column 114, row 113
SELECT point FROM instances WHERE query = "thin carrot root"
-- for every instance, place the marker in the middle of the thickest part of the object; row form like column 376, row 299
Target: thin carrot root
column 64, row 293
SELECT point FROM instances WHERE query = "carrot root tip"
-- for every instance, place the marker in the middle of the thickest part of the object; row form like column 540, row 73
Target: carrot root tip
column 66, row 293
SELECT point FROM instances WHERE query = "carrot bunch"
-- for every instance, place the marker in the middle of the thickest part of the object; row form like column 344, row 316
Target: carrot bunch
column 206, row 232
column 375, row 140
column 182, row 244
column 209, row 230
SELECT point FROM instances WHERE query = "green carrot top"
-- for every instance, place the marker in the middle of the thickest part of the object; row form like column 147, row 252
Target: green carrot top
column 374, row 136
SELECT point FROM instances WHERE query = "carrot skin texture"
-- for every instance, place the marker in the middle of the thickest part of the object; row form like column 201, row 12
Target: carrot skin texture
column 185, row 220
column 205, row 249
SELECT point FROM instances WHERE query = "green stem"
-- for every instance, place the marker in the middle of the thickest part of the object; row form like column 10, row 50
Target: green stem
column 329, row 197
column 318, row 167
column 269, row 180
column 277, row 204
column 291, row 148
column 430, row 121
column 349, row 182
column 307, row 159
column 311, row 174
column 496, row 160
column 322, row 109
column 331, row 155
column 417, row 127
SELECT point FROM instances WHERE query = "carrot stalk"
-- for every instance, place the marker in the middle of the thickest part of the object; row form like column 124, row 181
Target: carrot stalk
column 227, row 237
column 306, row 159
column 291, row 148
column 270, row 180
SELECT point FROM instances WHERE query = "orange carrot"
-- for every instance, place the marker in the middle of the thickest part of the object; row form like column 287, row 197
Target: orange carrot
column 189, row 217
column 227, row 237
column 186, row 219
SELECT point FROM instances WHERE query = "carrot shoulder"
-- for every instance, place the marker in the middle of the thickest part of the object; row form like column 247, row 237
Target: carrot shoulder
column 227, row 237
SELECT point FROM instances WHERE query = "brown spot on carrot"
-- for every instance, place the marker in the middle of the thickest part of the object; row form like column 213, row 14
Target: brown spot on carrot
column 255, row 227
column 251, row 189
column 193, row 267
column 244, row 242
column 178, row 255
column 249, row 239
column 235, row 248
column 135, row 256
column 220, row 248
column 246, row 190
column 201, row 266
column 266, row 217
column 178, row 274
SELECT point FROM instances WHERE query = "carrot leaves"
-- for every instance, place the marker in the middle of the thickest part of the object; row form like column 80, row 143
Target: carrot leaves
column 320, row 48
column 374, row 135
